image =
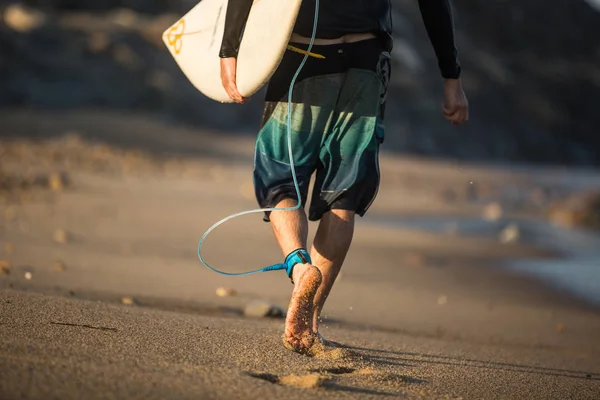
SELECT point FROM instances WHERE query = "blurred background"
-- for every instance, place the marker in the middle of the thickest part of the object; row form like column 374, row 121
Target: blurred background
column 531, row 74
column 113, row 165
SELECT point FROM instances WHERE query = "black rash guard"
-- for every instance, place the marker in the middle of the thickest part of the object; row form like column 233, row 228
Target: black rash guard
column 340, row 17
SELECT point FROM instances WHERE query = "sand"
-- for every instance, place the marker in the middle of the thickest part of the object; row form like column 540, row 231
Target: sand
column 102, row 294
column 71, row 348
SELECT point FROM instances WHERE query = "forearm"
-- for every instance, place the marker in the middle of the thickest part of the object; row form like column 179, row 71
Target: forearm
column 237, row 14
column 438, row 20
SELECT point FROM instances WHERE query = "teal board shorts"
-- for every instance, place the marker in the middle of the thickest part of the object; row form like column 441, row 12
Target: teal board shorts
column 338, row 105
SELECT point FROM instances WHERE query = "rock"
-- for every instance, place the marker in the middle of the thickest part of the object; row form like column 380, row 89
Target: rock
column 561, row 217
column 28, row 276
column 225, row 292
column 560, row 328
column 61, row 236
column 579, row 210
column 22, row 19
column 492, row 212
column 5, row 267
column 128, row 301
column 510, row 234
column 262, row 309
column 57, row 182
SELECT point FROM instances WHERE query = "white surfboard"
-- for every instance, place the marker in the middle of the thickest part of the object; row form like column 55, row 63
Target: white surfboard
column 195, row 41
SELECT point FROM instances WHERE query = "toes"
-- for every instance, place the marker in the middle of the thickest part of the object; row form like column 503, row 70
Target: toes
column 301, row 345
column 307, row 340
column 289, row 342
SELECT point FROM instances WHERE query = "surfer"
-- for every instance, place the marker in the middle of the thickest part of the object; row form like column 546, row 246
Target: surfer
column 337, row 128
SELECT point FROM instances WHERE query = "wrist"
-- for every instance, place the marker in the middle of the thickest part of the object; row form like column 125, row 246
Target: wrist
column 227, row 53
column 452, row 81
column 452, row 72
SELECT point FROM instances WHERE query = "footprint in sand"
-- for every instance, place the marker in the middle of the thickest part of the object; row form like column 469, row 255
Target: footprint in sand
column 345, row 378
column 345, row 370
column 331, row 351
column 310, row 381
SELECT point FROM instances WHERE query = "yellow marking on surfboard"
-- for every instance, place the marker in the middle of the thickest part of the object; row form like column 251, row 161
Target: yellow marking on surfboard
column 299, row 50
column 175, row 34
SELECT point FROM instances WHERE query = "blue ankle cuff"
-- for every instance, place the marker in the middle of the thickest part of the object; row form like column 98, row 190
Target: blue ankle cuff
column 298, row 256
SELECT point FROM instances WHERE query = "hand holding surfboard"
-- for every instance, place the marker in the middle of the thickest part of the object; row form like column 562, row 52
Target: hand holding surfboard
column 195, row 39
column 228, row 79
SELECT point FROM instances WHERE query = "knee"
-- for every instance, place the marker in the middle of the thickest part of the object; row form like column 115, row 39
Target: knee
column 337, row 216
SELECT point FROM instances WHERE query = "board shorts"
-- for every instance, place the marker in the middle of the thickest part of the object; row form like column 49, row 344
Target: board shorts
column 338, row 105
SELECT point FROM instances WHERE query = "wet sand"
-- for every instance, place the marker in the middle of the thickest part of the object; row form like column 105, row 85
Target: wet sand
column 427, row 313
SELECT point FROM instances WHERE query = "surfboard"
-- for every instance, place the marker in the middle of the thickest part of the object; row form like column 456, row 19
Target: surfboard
column 194, row 41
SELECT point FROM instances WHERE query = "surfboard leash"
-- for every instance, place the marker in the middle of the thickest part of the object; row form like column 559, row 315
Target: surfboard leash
column 291, row 256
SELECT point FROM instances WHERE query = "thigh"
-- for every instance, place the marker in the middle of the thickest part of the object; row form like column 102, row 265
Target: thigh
column 349, row 178
column 273, row 178
column 313, row 104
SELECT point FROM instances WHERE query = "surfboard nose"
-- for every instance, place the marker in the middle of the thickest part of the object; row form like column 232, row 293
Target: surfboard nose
column 173, row 36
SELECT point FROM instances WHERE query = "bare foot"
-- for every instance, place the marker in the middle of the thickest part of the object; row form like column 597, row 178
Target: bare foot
column 299, row 335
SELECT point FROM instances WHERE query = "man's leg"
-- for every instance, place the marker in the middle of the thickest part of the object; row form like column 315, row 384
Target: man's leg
column 314, row 108
column 330, row 246
column 349, row 179
column 291, row 231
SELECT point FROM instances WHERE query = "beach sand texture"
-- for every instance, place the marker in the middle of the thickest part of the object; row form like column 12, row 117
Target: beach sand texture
column 103, row 296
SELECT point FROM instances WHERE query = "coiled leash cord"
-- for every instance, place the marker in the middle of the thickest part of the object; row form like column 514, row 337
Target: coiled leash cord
column 297, row 256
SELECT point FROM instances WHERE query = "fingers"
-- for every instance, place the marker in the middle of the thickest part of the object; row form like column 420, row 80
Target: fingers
column 234, row 94
column 456, row 107
column 457, row 113
column 449, row 111
column 228, row 79
column 231, row 88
